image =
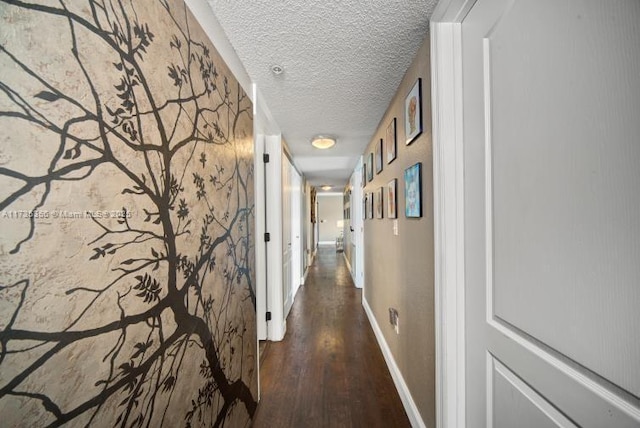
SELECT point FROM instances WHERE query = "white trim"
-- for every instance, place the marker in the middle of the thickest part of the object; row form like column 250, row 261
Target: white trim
column 451, row 10
column 403, row 390
column 489, row 364
column 346, row 260
column 260, row 246
column 488, row 180
column 448, row 175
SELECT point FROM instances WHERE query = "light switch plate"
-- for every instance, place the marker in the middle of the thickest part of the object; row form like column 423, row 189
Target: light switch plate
column 395, row 227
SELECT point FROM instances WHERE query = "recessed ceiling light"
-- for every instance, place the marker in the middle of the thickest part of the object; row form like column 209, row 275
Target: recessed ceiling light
column 277, row 69
column 326, row 187
column 323, row 142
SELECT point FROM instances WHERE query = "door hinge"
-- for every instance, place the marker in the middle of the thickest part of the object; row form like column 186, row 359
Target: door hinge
column 268, row 316
column 267, row 237
column 265, row 157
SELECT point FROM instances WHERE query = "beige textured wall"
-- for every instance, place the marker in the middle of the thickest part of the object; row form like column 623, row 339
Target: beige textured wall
column 399, row 270
column 127, row 228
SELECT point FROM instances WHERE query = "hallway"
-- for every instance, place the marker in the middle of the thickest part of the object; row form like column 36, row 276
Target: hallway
column 329, row 370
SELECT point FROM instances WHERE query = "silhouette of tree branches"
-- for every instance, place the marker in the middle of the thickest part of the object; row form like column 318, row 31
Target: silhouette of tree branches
column 182, row 269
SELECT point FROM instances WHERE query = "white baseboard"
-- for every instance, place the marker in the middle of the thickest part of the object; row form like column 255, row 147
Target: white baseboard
column 407, row 400
column 346, row 260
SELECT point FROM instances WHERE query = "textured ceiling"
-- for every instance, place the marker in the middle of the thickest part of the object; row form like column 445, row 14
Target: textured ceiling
column 343, row 61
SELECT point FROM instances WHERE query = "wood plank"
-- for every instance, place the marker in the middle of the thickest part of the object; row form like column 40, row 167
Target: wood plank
column 328, row 371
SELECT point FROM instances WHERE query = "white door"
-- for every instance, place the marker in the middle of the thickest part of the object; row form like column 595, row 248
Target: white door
column 296, row 232
column 357, row 223
column 286, row 235
column 551, row 107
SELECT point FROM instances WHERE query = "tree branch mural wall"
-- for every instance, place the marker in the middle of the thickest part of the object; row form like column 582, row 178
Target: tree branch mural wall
column 126, row 217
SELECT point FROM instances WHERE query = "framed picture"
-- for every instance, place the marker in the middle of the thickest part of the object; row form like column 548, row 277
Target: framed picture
column 364, row 206
column 390, row 141
column 379, row 210
column 370, row 205
column 370, row 167
column 413, row 112
column 379, row 157
column 392, row 200
column 413, row 191
column 364, row 174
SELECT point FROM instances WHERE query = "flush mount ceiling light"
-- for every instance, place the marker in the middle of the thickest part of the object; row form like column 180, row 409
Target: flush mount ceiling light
column 326, row 187
column 277, row 69
column 323, row 142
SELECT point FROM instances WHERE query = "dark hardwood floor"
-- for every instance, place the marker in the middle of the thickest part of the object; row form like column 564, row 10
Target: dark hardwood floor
column 329, row 370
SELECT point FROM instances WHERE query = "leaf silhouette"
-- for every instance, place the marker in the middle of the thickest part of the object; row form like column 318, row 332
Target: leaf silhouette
column 141, row 347
column 149, row 288
column 48, row 96
column 72, row 153
column 168, row 383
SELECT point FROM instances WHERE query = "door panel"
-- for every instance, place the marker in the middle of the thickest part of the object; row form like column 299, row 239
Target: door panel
column 552, row 171
column 286, row 235
column 516, row 404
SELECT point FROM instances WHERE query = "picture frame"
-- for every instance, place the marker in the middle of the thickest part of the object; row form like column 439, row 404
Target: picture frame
column 379, row 206
column 370, row 205
column 364, row 206
column 370, row 167
column 392, row 198
column 390, row 142
column 379, row 157
column 364, row 174
column 413, row 191
column 413, row 112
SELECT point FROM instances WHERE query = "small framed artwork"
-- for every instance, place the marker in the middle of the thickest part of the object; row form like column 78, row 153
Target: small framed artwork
column 364, row 174
column 413, row 191
column 370, row 167
column 390, row 141
column 413, row 112
column 379, row 157
column 370, row 205
column 392, row 200
column 364, row 206
column 379, row 210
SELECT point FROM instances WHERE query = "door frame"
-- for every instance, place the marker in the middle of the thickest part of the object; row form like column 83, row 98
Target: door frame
column 447, row 115
column 276, row 327
column 448, row 178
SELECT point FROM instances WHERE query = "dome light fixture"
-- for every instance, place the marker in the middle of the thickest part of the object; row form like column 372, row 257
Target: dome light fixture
column 323, row 142
column 326, row 187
